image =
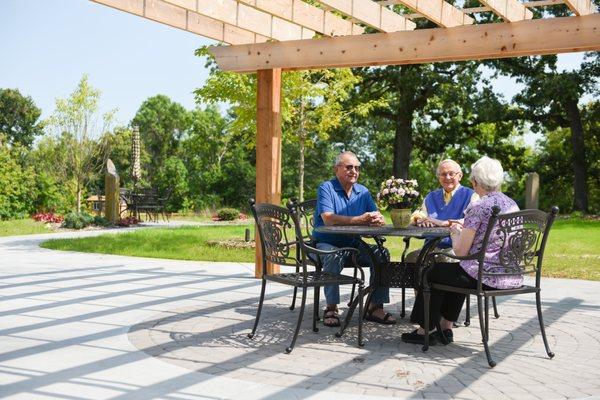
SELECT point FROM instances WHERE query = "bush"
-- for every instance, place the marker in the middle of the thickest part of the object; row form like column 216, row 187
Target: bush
column 48, row 217
column 128, row 221
column 76, row 220
column 228, row 214
column 100, row 221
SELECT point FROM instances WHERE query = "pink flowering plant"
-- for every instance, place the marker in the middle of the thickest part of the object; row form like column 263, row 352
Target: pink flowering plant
column 397, row 193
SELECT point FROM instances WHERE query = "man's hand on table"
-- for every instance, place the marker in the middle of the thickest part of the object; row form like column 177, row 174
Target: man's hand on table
column 373, row 218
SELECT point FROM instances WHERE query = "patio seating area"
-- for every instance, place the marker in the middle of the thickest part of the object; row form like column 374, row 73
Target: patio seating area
column 88, row 324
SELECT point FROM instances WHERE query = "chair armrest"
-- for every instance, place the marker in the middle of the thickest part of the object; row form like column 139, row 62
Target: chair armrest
column 314, row 250
column 438, row 253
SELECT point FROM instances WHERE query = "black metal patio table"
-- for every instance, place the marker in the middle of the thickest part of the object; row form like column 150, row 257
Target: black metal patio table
column 389, row 273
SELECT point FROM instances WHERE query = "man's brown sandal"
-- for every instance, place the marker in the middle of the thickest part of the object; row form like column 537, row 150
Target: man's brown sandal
column 386, row 320
column 333, row 317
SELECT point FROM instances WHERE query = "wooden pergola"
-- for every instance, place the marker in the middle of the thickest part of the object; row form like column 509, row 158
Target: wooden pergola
column 270, row 36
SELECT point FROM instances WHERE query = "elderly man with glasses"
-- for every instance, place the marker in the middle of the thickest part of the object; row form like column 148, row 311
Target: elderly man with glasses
column 444, row 206
column 343, row 201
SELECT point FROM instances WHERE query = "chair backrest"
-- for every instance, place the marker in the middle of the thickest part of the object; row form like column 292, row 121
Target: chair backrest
column 517, row 242
column 146, row 197
column 277, row 232
column 306, row 216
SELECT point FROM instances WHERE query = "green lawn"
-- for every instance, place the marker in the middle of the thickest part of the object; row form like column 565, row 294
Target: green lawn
column 22, row 227
column 573, row 247
column 185, row 243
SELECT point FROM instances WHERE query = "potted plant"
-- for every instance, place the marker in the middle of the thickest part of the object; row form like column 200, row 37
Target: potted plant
column 399, row 195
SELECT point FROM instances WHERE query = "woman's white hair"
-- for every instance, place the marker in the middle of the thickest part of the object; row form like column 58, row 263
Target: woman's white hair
column 488, row 173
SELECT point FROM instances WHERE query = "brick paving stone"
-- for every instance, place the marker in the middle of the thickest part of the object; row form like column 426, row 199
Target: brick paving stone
column 185, row 323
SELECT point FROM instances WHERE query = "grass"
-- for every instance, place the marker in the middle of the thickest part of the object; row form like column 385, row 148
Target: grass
column 22, row 227
column 185, row 243
column 572, row 252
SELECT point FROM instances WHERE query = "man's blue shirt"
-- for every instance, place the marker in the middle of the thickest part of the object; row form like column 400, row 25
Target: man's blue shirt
column 331, row 197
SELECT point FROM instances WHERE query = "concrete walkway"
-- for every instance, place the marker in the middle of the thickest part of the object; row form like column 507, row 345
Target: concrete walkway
column 88, row 326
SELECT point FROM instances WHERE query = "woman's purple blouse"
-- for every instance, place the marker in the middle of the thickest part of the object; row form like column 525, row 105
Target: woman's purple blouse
column 477, row 216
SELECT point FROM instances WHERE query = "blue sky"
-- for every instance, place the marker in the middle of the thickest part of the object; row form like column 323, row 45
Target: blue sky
column 47, row 45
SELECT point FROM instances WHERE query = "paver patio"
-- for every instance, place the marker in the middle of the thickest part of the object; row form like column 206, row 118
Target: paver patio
column 88, row 326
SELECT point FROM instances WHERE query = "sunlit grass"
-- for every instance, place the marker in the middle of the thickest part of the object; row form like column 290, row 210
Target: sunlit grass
column 573, row 247
column 185, row 243
column 22, row 227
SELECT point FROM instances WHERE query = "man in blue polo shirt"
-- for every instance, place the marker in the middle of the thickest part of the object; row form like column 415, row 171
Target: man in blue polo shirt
column 342, row 201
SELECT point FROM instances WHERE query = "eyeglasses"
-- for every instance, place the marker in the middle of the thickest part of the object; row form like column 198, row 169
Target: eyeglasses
column 450, row 174
column 350, row 167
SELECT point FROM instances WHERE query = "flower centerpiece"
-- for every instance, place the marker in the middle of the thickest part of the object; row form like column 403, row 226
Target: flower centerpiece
column 399, row 195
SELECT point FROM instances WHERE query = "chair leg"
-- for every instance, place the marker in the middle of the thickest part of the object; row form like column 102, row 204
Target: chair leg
column 293, row 305
column 403, row 312
column 496, row 315
column 260, row 304
column 289, row 349
column 315, row 308
column 353, row 287
column 486, row 303
column 361, row 292
column 483, row 328
column 367, row 304
column 426, row 297
column 538, row 303
column 468, row 311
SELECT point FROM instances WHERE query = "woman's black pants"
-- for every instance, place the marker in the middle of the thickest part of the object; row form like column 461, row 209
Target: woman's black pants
column 443, row 304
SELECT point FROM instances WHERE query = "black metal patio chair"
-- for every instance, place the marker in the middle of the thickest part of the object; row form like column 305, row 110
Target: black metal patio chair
column 520, row 238
column 306, row 212
column 146, row 201
column 306, row 215
column 281, row 236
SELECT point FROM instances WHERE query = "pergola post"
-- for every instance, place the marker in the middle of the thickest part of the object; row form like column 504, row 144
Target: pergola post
column 268, row 148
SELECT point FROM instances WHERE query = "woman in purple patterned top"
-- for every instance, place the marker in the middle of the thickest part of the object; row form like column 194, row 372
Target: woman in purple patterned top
column 487, row 176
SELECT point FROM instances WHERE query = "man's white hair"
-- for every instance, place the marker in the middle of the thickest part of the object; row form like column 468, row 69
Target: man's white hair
column 339, row 157
column 448, row 161
column 488, row 173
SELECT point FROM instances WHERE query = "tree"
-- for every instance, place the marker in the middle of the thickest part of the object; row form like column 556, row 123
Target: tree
column 311, row 105
column 75, row 120
column 16, row 182
column 163, row 124
column 550, row 101
column 19, row 118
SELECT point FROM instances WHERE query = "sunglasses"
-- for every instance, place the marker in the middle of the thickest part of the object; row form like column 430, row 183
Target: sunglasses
column 350, row 167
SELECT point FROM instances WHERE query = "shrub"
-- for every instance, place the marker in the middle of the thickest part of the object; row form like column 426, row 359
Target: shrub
column 48, row 217
column 76, row 220
column 228, row 214
column 128, row 221
column 100, row 221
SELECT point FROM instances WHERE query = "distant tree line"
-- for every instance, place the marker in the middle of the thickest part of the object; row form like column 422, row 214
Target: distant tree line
column 400, row 120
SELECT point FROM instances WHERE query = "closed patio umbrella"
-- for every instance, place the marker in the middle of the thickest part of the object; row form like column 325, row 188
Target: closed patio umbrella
column 136, row 170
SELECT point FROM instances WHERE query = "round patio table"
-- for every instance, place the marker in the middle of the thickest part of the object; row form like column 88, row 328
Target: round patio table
column 389, row 273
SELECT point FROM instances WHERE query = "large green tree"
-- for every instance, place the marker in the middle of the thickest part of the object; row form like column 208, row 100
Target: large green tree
column 311, row 107
column 163, row 123
column 77, row 122
column 19, row 118
column 550, row 101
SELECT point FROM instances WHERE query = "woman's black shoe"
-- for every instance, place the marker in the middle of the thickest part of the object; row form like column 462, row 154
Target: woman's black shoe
column 448, row 335
column 414, row 337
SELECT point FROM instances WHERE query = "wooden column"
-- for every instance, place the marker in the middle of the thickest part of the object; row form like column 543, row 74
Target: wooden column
column 268, row 147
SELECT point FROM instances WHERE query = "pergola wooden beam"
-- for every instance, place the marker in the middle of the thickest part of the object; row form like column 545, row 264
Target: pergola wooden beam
column 580, row 7
column 245, row 17
column 467, row 42
column 370, row 13
column 178, row 17
column 439, row 12
column 307, row 15
column 508, row 10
